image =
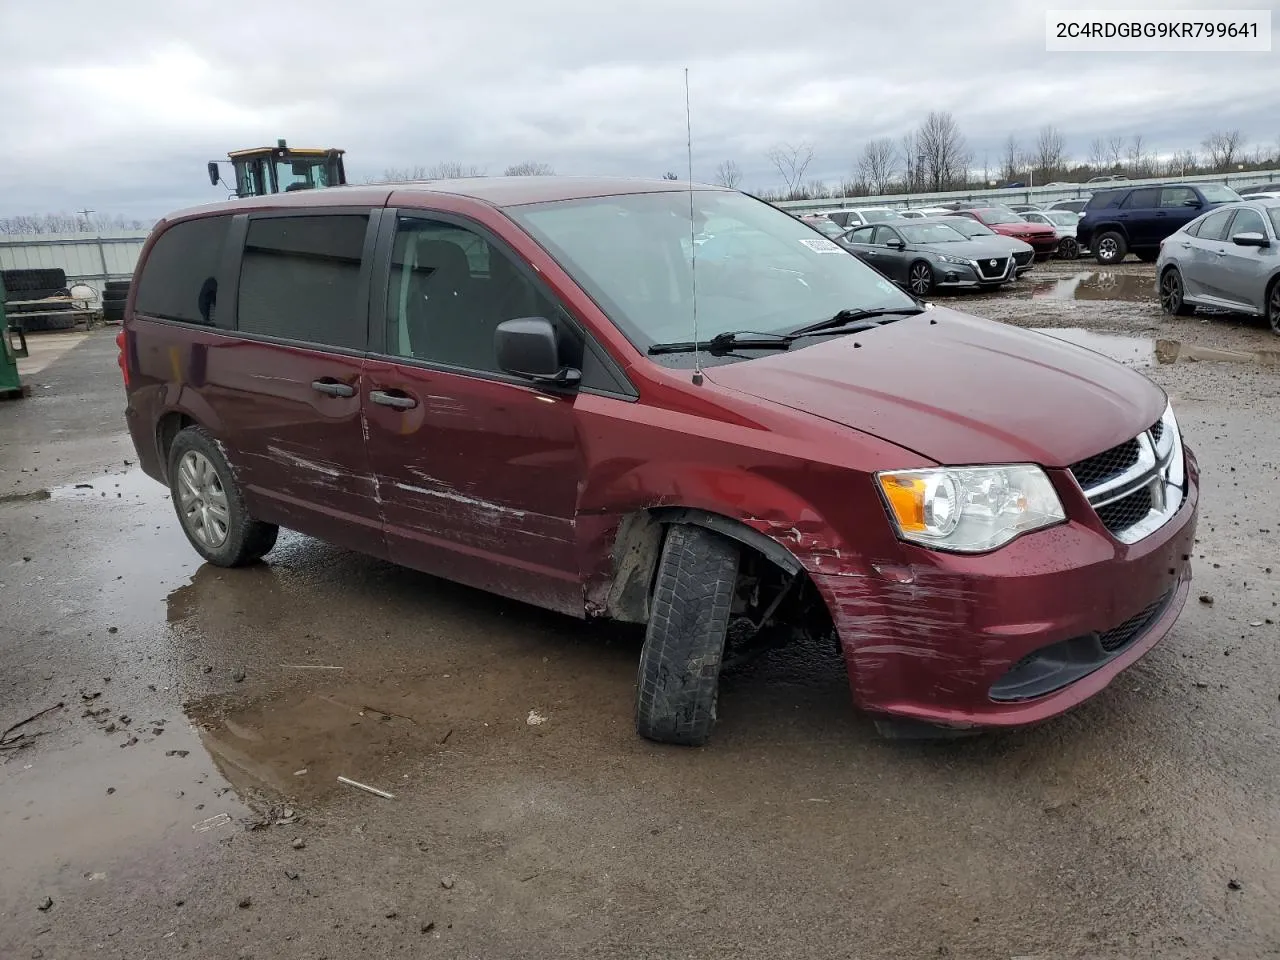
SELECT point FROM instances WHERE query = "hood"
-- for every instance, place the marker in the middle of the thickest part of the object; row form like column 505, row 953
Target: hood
column 974, row 248
column 1021, row 229
column 960, row 390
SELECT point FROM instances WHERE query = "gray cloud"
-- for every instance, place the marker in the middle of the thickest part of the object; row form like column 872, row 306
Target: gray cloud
column 121, row 112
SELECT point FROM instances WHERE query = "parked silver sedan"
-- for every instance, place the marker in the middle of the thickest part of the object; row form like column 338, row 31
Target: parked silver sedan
column 1228, row 258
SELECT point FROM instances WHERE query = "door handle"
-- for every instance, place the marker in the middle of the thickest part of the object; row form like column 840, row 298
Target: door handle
column 1222, row 253
column 333, row 388
column 397, row 400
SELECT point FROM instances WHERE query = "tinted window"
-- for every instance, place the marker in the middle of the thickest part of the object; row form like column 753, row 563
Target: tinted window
column 1176, row 196
column 884, row 235
column 1142, row 199
column 762, row 269
column 861, row 235
column 1105, row 198
column 299, row 279
column 1248, row 221
column 1214, row 226
column 1217, row 193
column 449, row 290
column 180, row 279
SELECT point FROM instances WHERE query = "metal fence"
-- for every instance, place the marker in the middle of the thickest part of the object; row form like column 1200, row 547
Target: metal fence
column 1045, row 194
column 86, row 258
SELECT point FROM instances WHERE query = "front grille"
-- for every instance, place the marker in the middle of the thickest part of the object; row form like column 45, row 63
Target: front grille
column 1124, row 513
column 1023, row 257
column 1103, row 466
column 1157, row 431
column 991, row 269
column 1117, row 638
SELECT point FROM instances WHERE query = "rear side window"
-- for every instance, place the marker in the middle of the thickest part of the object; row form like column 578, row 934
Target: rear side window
column 1105, row 198
column 1214, row 226
column 861, row 235
column 180, row 278
column 300, row 279
column 1142, row 199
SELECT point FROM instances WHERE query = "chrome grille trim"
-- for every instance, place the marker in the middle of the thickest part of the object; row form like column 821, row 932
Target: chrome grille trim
column 1158, row 473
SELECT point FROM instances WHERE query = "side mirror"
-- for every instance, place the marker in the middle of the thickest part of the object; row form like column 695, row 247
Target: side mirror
column 1250, row 240
column 895, row 244
column 527, row 347
column 214, row 175
column 1191, row 202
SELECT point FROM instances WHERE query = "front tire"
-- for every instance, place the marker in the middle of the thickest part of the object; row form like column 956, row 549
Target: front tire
column 1110, row 248
column 920, row 279
column 209, row 503
column 679, row 675
column 1173, row 294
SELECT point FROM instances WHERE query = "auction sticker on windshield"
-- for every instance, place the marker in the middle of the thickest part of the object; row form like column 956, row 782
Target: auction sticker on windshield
column 821, row 245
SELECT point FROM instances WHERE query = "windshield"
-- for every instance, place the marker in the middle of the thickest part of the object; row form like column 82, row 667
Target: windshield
column 759, row 268
column 1217, row 193
column 879, row 216
column 970, row 228
column 1274, row 214
column 992, row 215
column 301, row 174
column 929, row 233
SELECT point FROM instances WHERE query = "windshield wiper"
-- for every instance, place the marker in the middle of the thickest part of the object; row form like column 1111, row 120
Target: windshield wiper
column 729, row 340
column 848, row 317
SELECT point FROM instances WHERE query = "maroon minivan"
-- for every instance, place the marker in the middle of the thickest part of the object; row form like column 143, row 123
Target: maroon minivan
column 669, row 406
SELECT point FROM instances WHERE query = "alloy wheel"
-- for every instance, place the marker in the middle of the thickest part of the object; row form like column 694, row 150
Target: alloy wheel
column 1069, row 249
column 1107, row 249
column 202, row 500
column 921, row 279
column 1171, row 292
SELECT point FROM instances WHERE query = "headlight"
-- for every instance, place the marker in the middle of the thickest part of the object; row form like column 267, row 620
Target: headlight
column 960, row 260
column 970, row 509
column 1169, row 448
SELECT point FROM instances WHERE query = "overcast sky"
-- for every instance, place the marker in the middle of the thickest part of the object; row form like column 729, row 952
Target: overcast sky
column 117, row 104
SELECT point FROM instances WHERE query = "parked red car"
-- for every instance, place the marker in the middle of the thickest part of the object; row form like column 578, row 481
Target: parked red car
column 1041, row 237
column 498, row 381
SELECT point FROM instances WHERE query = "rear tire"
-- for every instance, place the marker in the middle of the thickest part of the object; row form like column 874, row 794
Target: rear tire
column 1068, row 248
column 679, row 675
column 1173, row 294
column 113, row 311
column 1110, row 247
column 209, row 503
column 120, row 286
column 1273, row 307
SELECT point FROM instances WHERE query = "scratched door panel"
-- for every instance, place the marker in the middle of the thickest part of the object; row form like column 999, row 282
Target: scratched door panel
column 305, row 461
column 478, row 481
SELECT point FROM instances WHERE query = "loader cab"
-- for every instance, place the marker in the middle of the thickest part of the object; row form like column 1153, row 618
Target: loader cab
column 281, row 169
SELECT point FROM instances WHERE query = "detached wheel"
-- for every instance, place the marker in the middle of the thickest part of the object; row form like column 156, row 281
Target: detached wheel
column 679, row 676
column 1110, row 248
column 920, row 279
column 1068, row 248
column 121, row 286
column 210, row 506
column 1173, row 295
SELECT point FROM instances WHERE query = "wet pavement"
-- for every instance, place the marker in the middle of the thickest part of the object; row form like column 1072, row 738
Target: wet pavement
column 184, row 798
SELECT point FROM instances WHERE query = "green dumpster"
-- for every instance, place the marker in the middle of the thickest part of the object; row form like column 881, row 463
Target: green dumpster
column 13, row 344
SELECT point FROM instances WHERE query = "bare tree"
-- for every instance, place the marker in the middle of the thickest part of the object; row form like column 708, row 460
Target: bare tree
column 395, row 174
column 1115, row 151
column 529, row 168
column 1135, row 155
column 878, row 164
column 1097, row 153
column 49, row 223
column 849, row 188
column 791, row 161
column 670, row 176
column 1049, row 152
column 728, row 174
column 1222, row 147
column 946, row 157
column 911, row 158
column 1011, row 162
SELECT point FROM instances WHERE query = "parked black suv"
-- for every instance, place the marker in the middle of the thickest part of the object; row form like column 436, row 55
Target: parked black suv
column 1136, row 219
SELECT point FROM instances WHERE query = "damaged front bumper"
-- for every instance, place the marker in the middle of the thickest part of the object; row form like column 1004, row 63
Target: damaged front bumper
column 1011, row 637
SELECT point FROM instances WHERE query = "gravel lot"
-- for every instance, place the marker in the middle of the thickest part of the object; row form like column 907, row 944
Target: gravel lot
column 184, row 800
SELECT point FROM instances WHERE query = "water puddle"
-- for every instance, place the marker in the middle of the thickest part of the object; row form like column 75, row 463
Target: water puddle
column 1149, row 352
column 132, row 486
column 1095, row 285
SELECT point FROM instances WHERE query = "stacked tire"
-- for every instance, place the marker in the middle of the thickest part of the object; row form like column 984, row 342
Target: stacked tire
column 36, row 284
column 114, row 295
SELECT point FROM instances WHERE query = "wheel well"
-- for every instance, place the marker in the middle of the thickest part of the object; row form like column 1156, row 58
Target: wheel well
column 1098, row 231
column 170, row 425
column 638, row 544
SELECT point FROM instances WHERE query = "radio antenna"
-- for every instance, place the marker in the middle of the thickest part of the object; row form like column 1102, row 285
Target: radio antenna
column 693, row 235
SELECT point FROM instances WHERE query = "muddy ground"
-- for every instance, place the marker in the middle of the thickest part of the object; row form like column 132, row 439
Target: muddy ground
column 183, row 798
